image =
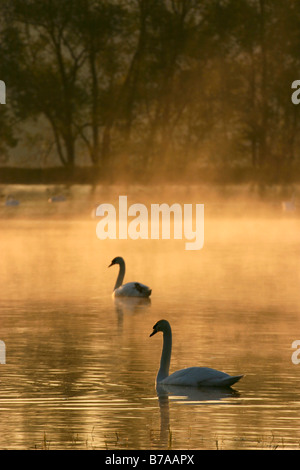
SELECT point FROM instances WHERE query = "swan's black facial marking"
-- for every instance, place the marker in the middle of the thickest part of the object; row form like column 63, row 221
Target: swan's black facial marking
column 113, row 262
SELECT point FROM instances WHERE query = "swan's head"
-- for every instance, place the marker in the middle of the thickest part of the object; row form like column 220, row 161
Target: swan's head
column 117, row 260
column 161, row 325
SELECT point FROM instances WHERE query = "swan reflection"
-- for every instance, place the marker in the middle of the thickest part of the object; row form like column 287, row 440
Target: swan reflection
column 130, row 306
column 187, row 395
column 193, row 394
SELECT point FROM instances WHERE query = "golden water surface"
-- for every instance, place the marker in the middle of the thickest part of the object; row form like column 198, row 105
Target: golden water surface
column 80, row 367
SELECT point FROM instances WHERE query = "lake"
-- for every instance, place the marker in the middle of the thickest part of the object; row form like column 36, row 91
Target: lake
column 80, row 366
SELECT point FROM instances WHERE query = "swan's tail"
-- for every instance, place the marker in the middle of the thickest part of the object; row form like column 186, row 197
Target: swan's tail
column 144, row 290
column 228, row 381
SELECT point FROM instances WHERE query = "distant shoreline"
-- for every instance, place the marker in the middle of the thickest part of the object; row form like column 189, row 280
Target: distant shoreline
column 206, row 175
column 79, row 201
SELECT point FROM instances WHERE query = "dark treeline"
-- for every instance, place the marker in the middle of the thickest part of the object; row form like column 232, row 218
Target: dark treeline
column 154, row 86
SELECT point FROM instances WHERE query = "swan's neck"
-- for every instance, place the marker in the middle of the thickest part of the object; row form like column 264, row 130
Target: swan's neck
column 165, row 356
column 121, row 275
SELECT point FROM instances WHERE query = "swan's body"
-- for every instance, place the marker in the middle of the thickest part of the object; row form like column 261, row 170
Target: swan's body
column 192, row 376
column 130, row 289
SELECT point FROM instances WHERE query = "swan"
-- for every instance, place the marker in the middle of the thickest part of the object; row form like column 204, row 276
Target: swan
column 192, row 376
column 130, row 289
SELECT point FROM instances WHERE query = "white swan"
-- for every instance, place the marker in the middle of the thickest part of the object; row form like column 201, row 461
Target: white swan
column 192, row 376
column 130, row 289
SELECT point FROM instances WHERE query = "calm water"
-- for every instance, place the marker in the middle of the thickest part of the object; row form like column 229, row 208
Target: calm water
column 81, row 368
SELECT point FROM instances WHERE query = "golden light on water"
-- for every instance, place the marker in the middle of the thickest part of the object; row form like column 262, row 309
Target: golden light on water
column 165, row 133
column 80, row 363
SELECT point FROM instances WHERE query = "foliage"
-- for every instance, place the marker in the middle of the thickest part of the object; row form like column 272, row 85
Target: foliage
column 144, row 84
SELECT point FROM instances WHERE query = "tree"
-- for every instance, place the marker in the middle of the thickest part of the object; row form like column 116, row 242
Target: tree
column 7, row 119
column 44, row 74
column 147, row 84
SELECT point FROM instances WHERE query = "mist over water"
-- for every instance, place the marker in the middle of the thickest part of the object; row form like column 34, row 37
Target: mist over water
column 175, row 103
column 80, row 366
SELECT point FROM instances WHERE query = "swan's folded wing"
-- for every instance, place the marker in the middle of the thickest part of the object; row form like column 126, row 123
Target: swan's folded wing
column 133, row 289
column 201, row 377
column 142, row 289
column 217, row 378
column 188, row 377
